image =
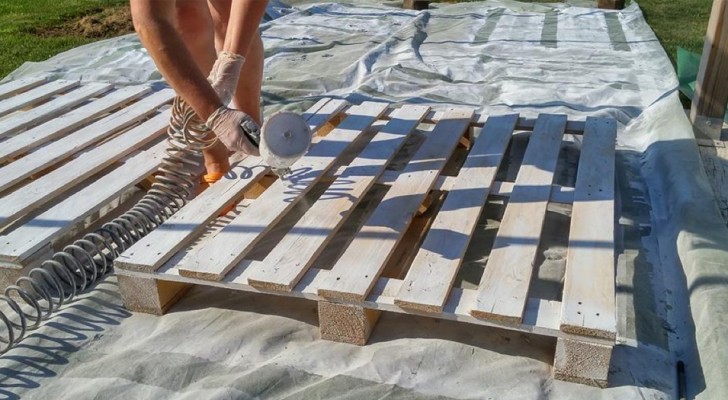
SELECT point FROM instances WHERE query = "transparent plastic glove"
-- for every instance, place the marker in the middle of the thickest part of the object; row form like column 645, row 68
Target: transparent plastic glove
column 225, row 74
column 228, row 127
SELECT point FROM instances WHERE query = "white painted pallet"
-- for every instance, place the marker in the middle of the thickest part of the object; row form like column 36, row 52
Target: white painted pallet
column 68, row 152
column 350, row 158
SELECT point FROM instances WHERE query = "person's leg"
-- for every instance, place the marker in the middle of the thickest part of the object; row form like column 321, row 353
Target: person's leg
column 195, row 25
column 247, row 94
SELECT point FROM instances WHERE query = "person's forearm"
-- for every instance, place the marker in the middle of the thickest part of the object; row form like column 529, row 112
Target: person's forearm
column 173, row 60
column 245, row 17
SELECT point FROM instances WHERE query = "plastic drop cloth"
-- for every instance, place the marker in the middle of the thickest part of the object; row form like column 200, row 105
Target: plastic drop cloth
column 496, row 56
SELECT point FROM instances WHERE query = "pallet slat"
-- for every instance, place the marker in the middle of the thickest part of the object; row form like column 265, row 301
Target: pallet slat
column 20, row 244
column 290, row 259
column 65, row 123
column 13, row 87
column 35, row 95
column 588, row 305
column 42, row 190
column 223, row 251
column 358, row 268
column 429, row 280
column 52, row 108
column 57, row 151
column 504, row 287
column 153, row 250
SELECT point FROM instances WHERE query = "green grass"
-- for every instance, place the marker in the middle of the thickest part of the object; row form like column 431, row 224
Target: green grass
column 676, row 23
column 19, row 19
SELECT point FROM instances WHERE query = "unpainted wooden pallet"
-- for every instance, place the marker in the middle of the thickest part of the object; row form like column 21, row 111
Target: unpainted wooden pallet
column 407, row 247
column 70, row 153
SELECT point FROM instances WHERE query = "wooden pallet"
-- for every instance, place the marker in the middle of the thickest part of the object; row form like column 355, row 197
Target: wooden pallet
column 407, row 246
column 70, row 154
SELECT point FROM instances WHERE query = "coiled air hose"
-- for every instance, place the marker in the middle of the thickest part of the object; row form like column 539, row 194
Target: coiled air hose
column 85, row 261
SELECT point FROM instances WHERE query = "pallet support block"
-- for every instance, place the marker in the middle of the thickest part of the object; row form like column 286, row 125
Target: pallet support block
column 150, row 296
column 346, row 323
column 580, row 362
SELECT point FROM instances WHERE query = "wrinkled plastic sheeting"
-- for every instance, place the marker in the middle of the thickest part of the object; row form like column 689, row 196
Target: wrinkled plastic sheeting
column 504, row 56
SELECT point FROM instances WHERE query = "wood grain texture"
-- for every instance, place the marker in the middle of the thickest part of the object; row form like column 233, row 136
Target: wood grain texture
column 52, row 108
column 429, row 280
column 290, row 259
column 588, row 304
column 503, row 290
column 68, row 122
column 47, row 187
column 221, row 252
column 35, row 95
column 57, row 151
column 20, row 244
column 358, row 268
column 16, row 86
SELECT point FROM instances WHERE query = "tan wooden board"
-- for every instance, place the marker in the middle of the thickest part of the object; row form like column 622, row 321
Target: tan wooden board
column 357, row 270
column 504, row 287
column 588, row 304
column 291, row 258
column 224, row 250
column 433, row 271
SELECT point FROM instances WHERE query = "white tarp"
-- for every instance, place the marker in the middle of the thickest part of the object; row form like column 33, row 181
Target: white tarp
column 496, row 56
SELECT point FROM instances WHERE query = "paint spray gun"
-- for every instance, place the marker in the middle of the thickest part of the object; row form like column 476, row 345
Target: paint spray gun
column 284, row 139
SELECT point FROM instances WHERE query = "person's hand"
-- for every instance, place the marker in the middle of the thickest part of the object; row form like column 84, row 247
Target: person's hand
column 227, row 125
column 225, row 74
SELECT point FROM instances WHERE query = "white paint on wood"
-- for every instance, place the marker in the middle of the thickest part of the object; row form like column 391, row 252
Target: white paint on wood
column 34, row 96
column 358, row 268
column 52, row 108
column 65, row 123
column 429, row 280
column 47, row 187
column 13, row 87
column 57, row 151
column 221, row 252
column 504, row 287
column 21, row 243
column 588, row 305
column 296, row 252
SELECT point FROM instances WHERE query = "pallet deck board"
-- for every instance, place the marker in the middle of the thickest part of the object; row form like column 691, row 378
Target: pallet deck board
column 504, row 286
column 429, row 280
column 52, row 108
column 42, row 190
column 282, row 268
column 19, row 245
column 588, row 304
column 35, row 95
column 65, row 123
column 152, row 251
column 19, row 85
column 224, row 250
column 59, row 150
column 364, row 259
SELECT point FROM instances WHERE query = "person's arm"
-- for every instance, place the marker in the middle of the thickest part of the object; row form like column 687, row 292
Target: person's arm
column 245, row 17
column 154, row 22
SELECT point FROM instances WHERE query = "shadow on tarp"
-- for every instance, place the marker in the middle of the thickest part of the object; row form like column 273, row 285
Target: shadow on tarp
column 27, row 365
column 692, row 229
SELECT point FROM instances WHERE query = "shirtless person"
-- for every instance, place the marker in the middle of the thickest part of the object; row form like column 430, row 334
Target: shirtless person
column 191, row 39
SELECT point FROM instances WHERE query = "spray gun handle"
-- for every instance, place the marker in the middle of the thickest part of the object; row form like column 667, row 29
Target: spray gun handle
column 251, row 130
